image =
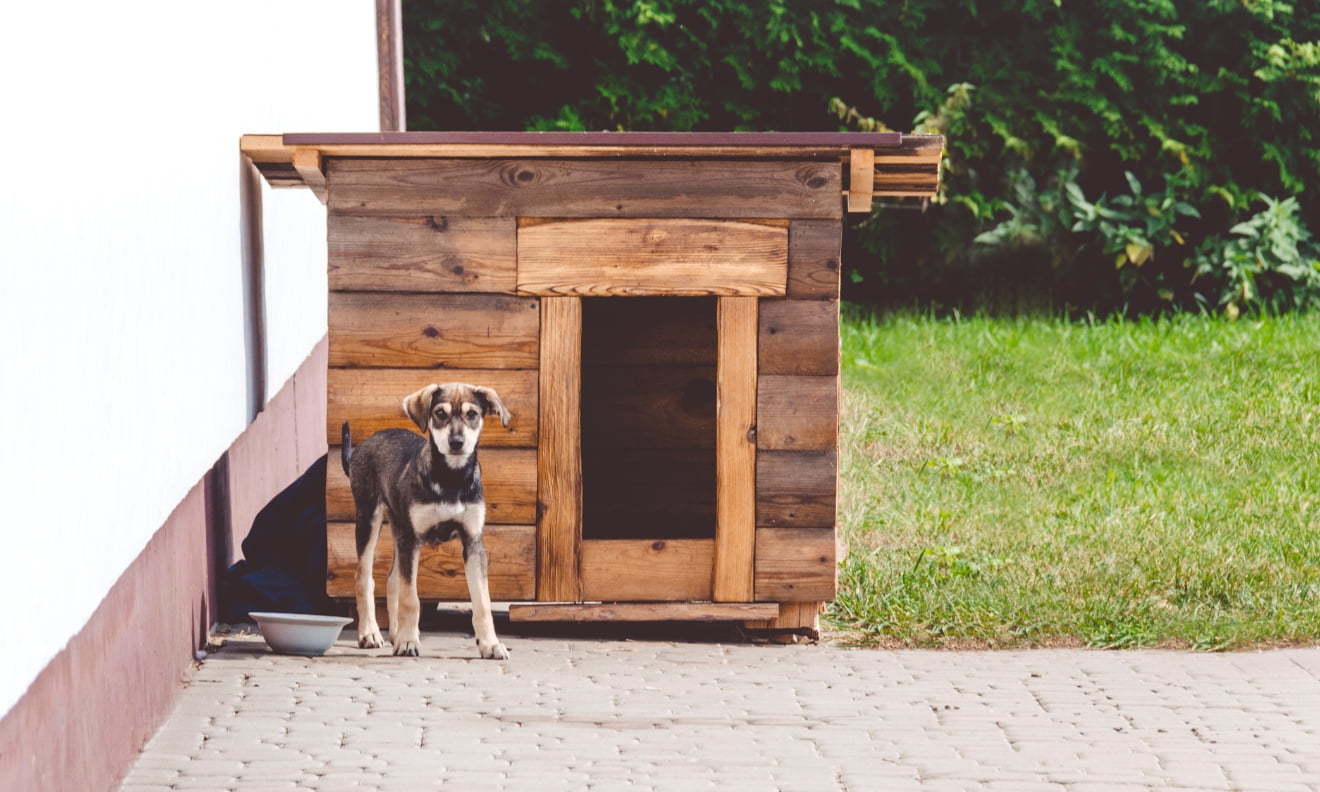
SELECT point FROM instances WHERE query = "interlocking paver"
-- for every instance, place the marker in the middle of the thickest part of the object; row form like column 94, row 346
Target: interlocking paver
column 573, row 714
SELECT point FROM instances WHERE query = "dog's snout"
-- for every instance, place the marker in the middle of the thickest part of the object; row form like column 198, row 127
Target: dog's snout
column 456, row 442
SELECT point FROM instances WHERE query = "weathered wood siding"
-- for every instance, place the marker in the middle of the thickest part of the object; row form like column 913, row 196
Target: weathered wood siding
column 489, row 271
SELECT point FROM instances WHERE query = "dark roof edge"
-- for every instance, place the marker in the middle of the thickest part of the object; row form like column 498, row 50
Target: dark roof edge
column 706, row 139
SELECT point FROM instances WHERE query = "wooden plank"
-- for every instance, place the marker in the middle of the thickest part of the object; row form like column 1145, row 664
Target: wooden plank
column 307, row 162
column 649, row 407
column 910, row 172
column 735, row 449
column 814, row 256
column 585, row 187
column 645, row 612
column 559, row 458
column 797, row 616
column 452, row 331
column 428, row 253
column 647, row 570
column 796, row 564
column 671, row 257
column 649, row 331
column 372, row 400
column 799, row 337
column 797, row 413
column 796, row 489
column 507, row 474
column 861, row 172
column 510, row 548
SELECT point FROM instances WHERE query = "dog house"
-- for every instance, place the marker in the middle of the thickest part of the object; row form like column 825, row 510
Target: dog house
column 659, row 311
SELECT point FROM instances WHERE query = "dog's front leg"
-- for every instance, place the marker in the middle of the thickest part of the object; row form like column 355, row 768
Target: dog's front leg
column 483, row 623
column 407, row 615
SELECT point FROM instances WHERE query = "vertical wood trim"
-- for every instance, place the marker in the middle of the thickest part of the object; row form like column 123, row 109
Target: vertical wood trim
column 389, row 65
column 861, row 176
column 735, row 450
column 559, row 455
column 307, row 161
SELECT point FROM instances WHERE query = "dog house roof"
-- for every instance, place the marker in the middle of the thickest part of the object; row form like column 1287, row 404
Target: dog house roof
column 878, row 163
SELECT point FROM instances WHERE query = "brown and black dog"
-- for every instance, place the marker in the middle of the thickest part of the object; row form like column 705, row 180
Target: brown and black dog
column 430, row 488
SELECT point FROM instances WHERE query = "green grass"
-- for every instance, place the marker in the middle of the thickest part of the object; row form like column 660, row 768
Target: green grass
column 1044, row 482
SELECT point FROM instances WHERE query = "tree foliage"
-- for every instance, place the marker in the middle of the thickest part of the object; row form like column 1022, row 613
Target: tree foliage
column 1048, row 106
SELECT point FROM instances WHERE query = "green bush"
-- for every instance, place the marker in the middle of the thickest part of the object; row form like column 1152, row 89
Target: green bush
column 1269, row 262
column 1218, row 98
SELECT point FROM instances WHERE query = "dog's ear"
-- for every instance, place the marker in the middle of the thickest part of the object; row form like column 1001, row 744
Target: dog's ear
column 490, row 400
column 418, row 406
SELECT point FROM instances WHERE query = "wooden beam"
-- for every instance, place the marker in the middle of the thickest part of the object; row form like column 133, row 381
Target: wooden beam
column 861, row 174
column 799, row 337
column 908, row 172
column 581, row 188
column 796, row 564
column 735, row 449
column 449, row 331
column 559, row 457
column 793, row 616
column 372, row 400
column 646, row 612
column 427, row 253
column 440, row 571
column 307, row 161
column 797, row 489
column 611, row 257
column 647, row 569
column 797, row 413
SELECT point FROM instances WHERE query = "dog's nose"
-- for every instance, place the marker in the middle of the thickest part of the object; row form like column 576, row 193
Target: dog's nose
column 455, row 442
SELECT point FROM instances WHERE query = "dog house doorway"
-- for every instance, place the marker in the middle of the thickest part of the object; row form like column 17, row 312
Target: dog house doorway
column 648, row 418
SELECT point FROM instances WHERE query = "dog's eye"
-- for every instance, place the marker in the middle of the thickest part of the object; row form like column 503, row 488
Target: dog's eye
column 472, row 415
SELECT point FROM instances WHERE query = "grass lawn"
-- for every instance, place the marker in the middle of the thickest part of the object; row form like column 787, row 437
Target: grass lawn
column 1041, row 482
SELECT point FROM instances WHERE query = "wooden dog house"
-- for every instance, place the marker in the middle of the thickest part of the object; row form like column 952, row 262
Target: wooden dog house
column 659, row 311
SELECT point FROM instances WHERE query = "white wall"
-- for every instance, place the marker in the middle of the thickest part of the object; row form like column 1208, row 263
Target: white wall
column 121, row 291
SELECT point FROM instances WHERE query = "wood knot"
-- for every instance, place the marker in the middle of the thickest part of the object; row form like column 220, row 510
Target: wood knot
column 658, row 546
column 518, row 175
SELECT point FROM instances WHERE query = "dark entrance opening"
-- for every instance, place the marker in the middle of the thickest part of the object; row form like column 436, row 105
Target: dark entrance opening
column 648, row 417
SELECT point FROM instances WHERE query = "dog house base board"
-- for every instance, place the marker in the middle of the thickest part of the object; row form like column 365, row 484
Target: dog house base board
column 645, row 612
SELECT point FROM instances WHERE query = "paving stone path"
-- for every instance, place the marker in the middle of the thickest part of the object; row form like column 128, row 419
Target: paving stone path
column 616, row 714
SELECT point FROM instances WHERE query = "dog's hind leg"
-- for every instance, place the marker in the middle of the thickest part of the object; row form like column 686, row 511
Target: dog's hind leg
column 368, row 531
column 483, row 623
column 392, row 597
column 407, row 615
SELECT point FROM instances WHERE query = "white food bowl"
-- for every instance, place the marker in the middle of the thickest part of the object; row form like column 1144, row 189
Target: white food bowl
column 300, row 633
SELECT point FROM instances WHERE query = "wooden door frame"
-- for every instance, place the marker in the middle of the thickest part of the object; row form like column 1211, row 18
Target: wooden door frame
column 560, row 553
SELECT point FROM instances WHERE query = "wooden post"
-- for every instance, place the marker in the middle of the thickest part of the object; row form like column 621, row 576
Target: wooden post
column 389, row 65
column 559, row 458
column 861, row 179
column 735, row 450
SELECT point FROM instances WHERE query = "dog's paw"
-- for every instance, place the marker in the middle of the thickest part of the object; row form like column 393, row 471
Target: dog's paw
column 492, row 651
column 407, row 649
column 370, row 640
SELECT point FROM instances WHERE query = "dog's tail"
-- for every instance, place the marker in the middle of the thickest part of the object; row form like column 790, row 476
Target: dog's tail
column 345, row 447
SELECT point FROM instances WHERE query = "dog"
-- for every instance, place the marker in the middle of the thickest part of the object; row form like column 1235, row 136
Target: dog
column 429, row 486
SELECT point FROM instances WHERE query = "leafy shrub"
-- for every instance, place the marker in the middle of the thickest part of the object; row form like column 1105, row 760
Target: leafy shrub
column 1269, row 262
column 1220, row 98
